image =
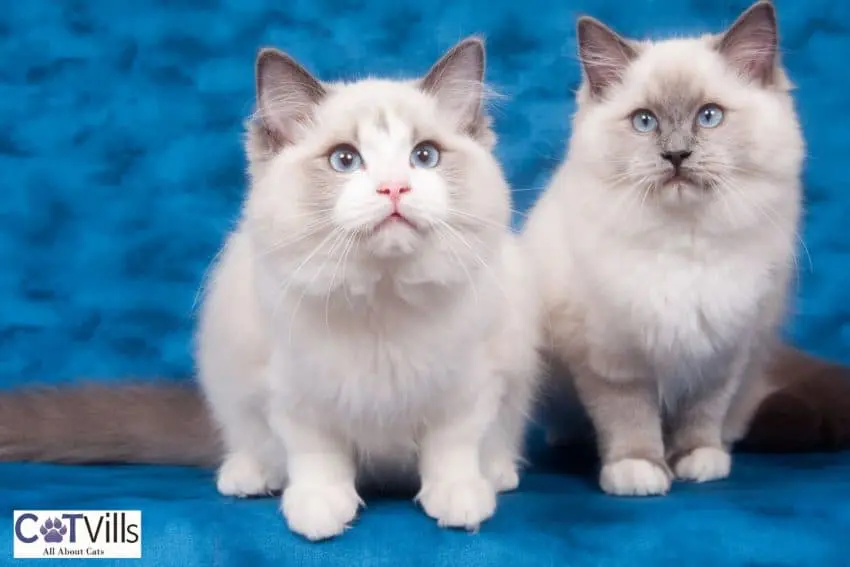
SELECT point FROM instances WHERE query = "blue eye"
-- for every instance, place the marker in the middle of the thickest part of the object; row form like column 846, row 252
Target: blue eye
column 644, row 121
column 345, row 159
column 425, row 155
column 710, row 116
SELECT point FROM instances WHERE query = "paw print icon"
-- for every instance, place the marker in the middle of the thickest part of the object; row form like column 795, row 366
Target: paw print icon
column 53, row 530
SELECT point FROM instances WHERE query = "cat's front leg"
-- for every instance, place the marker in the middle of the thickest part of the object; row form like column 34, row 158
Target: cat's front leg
column 501, row 452
column 320, row 499
column 696, row 450
column 503, row 445
column 454, row 490
column 252, row 468
column 627, row 420
column 253, row 457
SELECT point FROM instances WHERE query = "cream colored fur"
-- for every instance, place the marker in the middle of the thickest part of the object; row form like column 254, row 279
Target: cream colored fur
column 664, row 297
column 336, row 345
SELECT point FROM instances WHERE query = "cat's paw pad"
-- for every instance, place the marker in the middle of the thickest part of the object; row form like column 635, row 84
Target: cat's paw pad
column 634, row 477
column 458, row 503
column 320, row 511
column 243, row 476
column 503, row 473
column 704, row 464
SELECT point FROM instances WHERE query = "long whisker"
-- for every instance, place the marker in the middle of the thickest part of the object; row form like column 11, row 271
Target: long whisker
column 357, row 237
column 280, row 246
column 625, row 202
column 477, row 219
column 496, row 280
column 460, row 262
column 205, row 278
column 339, row 236
column 307, row 230
column 282, row 291
column 349, row 240
column 767, row 213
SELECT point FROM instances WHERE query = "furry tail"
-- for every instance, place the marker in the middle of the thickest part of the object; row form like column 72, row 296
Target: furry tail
column 156, row 423
column 806, row 408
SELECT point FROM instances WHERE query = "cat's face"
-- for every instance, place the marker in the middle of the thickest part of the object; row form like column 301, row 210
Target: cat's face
column 375, row 169
column 683, row 121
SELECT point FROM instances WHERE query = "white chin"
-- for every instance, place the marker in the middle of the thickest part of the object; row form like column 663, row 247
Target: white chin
column 394, row 240
column 681, row 193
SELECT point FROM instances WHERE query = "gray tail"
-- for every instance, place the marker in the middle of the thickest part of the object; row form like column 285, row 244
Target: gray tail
column 145, row 423
column 809, row 412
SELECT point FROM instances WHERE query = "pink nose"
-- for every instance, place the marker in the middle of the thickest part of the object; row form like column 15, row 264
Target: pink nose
column 393, row 190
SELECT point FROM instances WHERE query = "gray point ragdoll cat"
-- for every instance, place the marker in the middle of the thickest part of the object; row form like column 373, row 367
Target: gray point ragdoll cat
column 676, row 214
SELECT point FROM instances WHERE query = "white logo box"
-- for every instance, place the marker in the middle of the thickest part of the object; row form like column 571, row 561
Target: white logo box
column 77, row 534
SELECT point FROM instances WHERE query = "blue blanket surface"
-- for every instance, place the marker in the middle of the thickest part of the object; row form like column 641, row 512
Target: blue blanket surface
column 121, row 171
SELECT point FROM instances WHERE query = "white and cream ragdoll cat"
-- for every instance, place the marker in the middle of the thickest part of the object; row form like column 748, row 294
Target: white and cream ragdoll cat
column 370, row 319
column 666, row 242
column 370, row 313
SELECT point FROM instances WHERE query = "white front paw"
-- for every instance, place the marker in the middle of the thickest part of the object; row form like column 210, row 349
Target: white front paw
column 634, row 477
column 458, row 503
column 320, row 511
column 704, row 464
column 503, row 474
column 242, row 476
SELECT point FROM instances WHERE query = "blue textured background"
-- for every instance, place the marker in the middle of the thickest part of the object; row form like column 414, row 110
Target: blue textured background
column 121, row 170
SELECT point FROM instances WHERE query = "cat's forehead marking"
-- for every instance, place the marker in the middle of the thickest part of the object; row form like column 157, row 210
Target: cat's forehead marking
column 671, row 78
column 384, row 126
column 675, row 95
column 381, row 120
column 377, row 111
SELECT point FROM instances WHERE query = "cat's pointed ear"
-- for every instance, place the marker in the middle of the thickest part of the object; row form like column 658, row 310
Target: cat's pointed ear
column 457, row 81
column 286, row 95
column 603, row 53
column 750, row 44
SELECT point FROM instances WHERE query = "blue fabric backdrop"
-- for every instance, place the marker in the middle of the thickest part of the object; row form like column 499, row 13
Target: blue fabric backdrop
column 121, row 170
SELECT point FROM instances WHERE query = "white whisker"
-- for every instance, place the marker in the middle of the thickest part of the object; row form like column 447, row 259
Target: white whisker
column 349, row 241
column 339, row 235
column 459, row 261
column 478, row 257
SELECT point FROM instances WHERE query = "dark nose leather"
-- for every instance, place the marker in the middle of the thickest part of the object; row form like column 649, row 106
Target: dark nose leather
column 676, row 157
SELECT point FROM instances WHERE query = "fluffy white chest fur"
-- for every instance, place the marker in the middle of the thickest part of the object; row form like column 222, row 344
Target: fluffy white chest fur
column 681, row 301
column 385, row 358
column 369, row 365
column 366, row 371
column 675, row 298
